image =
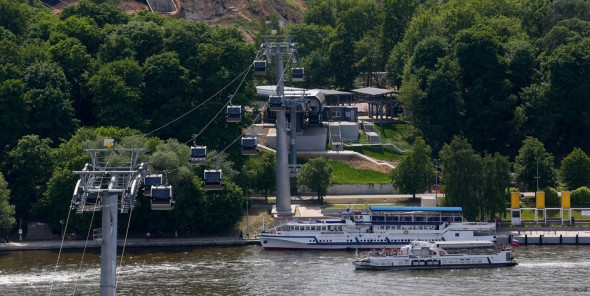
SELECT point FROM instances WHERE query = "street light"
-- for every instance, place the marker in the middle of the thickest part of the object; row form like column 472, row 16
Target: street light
column 62, row 228
column 537, row 177
column 436, row 179
column 247, row 222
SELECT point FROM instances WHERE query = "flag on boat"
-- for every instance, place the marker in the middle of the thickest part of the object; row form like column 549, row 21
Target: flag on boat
column 515, row 242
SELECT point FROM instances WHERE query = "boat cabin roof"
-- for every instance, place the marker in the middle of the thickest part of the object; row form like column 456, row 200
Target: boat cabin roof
column 315, row 222
column 415, row 209
column 464, row 244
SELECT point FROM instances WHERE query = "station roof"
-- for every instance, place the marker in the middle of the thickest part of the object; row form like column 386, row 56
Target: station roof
column 330, row 92
column 415, row 209
column 272, row 89
column 373, row 91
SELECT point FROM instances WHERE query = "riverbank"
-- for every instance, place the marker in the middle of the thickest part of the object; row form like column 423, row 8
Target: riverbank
column 130, row 243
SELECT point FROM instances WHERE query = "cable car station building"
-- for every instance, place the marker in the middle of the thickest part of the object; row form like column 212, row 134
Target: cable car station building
column 321, row 114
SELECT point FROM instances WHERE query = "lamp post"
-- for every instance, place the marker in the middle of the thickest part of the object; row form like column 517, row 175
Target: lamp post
column 247, row 219
column 436, row 179
column 537, row 177
column 62, row 228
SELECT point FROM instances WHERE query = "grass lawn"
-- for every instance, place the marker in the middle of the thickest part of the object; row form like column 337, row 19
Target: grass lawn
column 392, row 132
column 343, row 173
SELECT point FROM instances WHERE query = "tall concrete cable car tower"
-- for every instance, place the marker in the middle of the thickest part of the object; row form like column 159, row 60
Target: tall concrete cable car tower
column 115, row 173
column 279, row 47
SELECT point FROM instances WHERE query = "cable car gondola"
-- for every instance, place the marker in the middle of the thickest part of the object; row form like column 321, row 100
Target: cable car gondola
column 92, row 202
column 275, row 103
column 149, row 181
column 234, row 113
column 249, row 146
column 162, row 198
column 198, row 154
column 259, row 67
column 297, row 74
column 213, row 180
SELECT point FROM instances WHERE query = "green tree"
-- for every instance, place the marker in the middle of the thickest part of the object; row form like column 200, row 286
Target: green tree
column 495, row 183
column 51, row 113
column 222, row 209
column 14, row 16
column 6, row 209
column 462, row 172
column 117, row 91
column 414, row 170
column 165, row 88
column 489, row 104
column 84, row 29
column 396, row 17
column 315, row 176
column 13, row 110
column 569, row 98
column 368, row 58
column 262, row 173
column 28, row 167
column 532, row 161
column 101, row 13
column 575, row 169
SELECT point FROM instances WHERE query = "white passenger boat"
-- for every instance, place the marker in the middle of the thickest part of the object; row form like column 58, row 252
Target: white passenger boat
column 426, row 255
column 377, row 227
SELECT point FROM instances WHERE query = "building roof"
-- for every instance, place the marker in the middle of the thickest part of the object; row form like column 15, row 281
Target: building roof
column 330, row 92
column 373, row 91
column 272, row 89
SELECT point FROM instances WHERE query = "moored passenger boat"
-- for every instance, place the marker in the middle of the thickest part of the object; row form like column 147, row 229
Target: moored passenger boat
column 426, row 255
column 378, row 227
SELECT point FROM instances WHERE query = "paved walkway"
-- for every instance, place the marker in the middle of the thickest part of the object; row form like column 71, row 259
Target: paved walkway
column 131, row 243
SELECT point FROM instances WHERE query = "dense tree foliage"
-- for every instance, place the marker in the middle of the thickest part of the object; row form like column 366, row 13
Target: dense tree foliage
column 28, row 167
column 6, row 209
column 462, row 170
column 478, row 184
column 315, row 177
column 575, row 169
column 534, row 165
column 93, row 65
column 259, row 174
column 413, row 172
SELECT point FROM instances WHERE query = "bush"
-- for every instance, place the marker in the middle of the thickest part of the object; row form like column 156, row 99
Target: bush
column 581, row 195
column 551, row 196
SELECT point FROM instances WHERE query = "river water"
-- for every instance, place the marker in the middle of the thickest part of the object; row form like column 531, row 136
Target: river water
column 250, row 270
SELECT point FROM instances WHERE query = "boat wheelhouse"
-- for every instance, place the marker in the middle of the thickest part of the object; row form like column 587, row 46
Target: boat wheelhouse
column 377, row 227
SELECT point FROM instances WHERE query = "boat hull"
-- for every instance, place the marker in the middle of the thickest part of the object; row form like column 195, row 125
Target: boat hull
column 359, row 265
column 344, row 241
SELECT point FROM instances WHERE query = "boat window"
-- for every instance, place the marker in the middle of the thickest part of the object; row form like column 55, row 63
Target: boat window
column 306, row 227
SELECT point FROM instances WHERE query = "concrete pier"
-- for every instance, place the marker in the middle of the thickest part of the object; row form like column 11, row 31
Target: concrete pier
column 546, row 237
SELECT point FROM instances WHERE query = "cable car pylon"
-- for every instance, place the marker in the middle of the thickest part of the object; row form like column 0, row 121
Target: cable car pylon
column 98, row 189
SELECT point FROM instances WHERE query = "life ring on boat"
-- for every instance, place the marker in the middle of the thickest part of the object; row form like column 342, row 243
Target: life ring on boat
column 441, row 252
column 406, row 231
column 503, row 247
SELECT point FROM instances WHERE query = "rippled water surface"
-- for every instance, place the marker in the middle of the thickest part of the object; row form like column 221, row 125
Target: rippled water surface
column 542, row 270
